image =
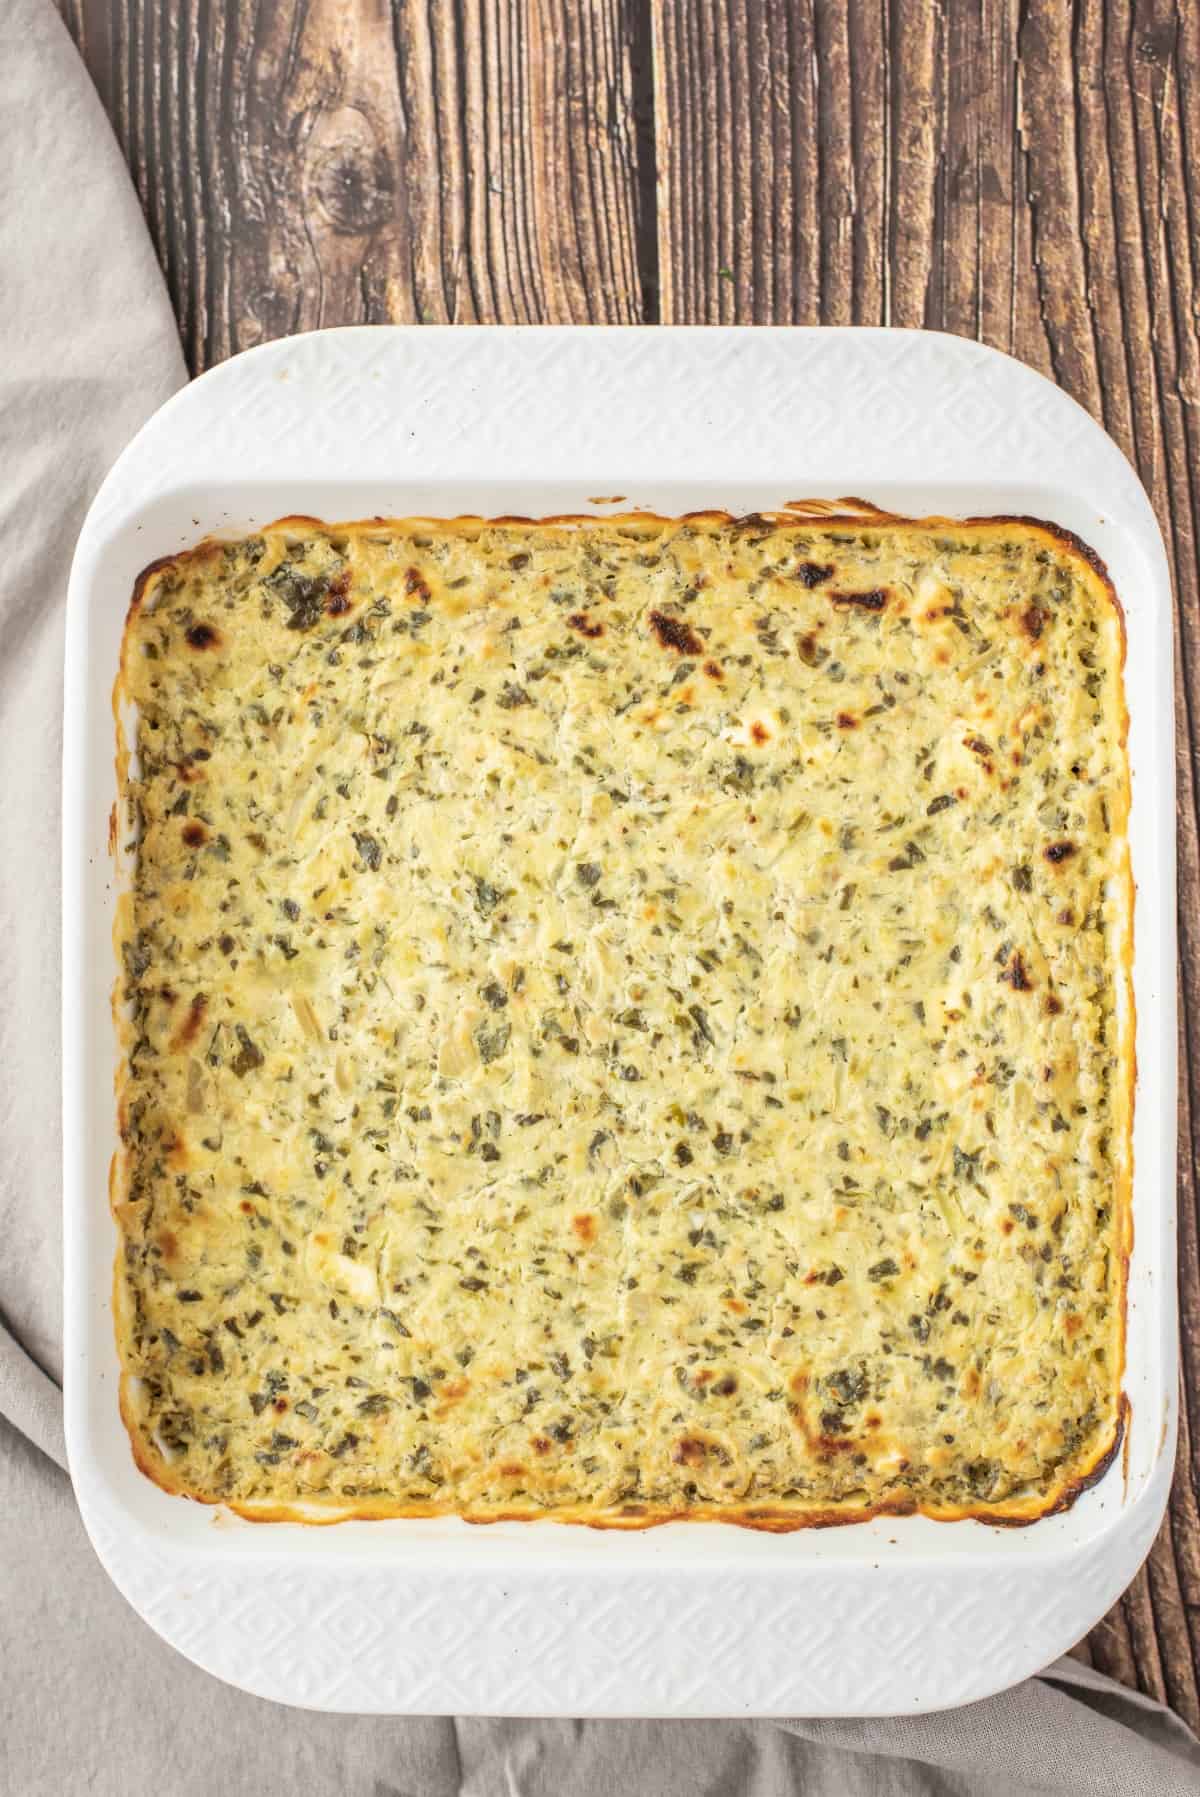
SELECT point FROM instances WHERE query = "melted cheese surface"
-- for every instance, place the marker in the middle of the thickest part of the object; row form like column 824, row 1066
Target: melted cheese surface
column 626, row 1018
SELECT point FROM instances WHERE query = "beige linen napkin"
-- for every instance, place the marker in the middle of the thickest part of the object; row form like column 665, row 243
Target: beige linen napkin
column 90, row 1699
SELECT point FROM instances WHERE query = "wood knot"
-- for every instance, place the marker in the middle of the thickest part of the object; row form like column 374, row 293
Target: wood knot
column 349, row 176
column 1157, row 46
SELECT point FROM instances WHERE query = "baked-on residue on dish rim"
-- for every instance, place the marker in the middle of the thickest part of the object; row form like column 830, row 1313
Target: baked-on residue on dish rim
column 761, row 1515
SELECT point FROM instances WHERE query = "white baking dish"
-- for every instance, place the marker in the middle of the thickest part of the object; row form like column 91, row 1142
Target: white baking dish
column 538, row 1619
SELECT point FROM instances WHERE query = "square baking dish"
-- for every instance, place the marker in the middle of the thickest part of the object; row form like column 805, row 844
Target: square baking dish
column 437, row 1616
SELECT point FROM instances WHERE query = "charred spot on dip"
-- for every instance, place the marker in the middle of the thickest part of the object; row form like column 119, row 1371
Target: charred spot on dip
column 674, row 633
column 202, row 636
column 1016, row 974
column 190, row 1027
column 337, row 601
column 674, row 976
column 873, row 600
column 811, row 574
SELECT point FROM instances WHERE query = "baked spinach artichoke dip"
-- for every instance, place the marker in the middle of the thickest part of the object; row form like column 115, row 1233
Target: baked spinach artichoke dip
column 625, row 1019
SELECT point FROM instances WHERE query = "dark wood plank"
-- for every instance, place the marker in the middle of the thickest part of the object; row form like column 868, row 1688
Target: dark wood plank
column 311, row 163
column 1020, row 175
column 1017, row 173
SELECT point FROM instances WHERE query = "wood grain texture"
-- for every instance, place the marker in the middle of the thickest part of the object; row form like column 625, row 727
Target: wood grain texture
column 1020, row 171
column 312, row 163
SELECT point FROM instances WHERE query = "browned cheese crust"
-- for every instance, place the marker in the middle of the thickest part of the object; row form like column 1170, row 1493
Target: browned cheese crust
column 625, row 1020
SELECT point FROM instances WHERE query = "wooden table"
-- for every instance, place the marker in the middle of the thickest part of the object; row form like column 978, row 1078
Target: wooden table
column 1021, row 173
